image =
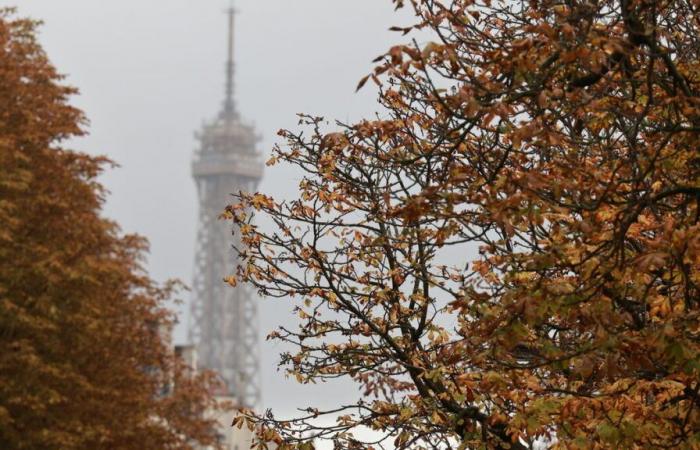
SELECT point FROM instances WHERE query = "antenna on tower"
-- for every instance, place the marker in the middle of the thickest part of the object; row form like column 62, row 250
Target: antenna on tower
column 229, row 106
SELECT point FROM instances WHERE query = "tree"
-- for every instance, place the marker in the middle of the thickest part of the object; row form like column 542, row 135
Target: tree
column 507, row 256
column 84, row 360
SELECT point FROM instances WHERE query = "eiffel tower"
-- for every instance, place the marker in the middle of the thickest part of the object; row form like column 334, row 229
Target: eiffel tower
column 223, row 320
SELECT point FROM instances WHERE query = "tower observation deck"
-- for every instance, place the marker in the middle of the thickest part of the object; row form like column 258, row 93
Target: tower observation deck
column 223, row 321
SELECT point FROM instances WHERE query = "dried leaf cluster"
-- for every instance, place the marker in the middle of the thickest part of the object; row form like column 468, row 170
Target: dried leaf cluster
column 553, row 147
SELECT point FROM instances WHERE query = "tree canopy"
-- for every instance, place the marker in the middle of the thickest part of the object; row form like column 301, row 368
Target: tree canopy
column 508, row 255
column 84, row 363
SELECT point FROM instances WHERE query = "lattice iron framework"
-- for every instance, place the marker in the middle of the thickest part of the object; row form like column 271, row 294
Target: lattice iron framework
column 223, row 320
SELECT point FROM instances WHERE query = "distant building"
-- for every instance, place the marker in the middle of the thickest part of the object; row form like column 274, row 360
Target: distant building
column 230, row 437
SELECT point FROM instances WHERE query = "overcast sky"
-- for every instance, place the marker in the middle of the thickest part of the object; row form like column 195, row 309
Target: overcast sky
column 149, row 73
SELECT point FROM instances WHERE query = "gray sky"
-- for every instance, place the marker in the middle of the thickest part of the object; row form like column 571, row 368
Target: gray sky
column 150, row 71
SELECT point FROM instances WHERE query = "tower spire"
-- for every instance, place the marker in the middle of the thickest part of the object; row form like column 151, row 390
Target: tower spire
column 229, row 105
column 223, row 321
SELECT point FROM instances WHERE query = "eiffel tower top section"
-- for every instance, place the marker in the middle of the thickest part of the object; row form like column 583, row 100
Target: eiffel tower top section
column 227, row 144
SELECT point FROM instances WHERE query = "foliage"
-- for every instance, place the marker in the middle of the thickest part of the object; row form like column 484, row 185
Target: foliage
column 84, row 361
column 508, row 255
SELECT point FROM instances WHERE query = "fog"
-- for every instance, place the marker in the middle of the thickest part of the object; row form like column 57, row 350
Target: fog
column 149, row 72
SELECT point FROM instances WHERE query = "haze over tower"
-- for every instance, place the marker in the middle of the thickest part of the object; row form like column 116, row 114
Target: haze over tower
column 223, row 320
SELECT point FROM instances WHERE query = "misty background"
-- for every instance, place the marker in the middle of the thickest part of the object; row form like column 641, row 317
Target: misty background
column 150, row 72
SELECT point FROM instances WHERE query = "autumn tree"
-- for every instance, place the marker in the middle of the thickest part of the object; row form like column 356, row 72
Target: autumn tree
column 508, row 256
column 83, row 360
